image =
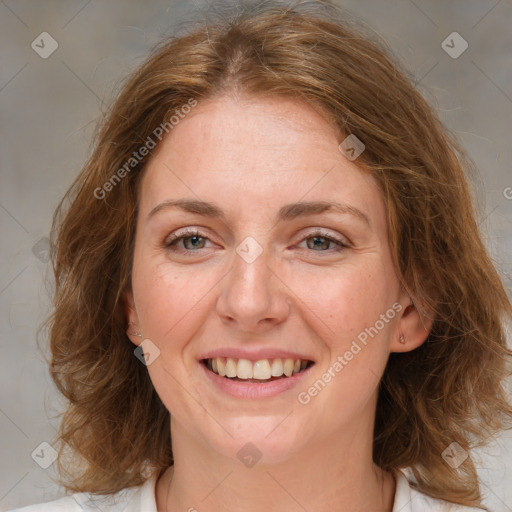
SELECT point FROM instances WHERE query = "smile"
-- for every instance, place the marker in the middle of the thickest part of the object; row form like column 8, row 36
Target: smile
column 263, row 370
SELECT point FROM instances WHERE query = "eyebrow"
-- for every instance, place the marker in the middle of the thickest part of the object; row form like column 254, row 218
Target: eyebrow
column 287, row 212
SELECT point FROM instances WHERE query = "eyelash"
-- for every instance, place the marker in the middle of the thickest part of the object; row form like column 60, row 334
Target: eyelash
column 190, row 233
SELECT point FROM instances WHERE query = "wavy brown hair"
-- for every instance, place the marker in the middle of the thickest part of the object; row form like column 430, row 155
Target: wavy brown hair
column 115, row 430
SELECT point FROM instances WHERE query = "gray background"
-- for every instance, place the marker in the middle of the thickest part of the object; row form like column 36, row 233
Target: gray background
column 49, row 109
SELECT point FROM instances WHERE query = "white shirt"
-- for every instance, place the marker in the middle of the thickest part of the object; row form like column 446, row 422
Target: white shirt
column 142, row 499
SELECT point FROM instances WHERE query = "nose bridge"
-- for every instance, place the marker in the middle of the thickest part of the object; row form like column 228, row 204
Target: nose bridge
column 251, row 294
column 251, row 271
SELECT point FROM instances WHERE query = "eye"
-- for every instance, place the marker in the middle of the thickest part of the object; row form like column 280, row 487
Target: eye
column 320, row 241
column 191, row 238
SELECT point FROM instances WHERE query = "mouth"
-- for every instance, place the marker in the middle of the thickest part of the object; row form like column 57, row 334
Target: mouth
column 260, row 371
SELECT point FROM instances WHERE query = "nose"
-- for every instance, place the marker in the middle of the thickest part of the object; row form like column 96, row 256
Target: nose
column 253, row 298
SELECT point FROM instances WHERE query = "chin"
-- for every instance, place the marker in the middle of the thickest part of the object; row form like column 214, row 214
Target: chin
column 266, row 438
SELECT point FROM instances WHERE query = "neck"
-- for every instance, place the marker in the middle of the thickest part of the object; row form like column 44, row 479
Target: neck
column 337, row 474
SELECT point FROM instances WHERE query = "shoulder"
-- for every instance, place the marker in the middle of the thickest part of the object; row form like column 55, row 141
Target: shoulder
column 67, row 503
column 408, row 499
column 133, row 499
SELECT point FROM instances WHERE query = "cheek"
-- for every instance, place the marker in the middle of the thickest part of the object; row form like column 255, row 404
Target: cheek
column 363, row 330
column 170, row 301
column 172, row 305
column 348, row 317
column 364, row 298
column 343, row 302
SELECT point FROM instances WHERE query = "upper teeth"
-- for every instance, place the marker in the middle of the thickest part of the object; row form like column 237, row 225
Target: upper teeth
column 262, row 369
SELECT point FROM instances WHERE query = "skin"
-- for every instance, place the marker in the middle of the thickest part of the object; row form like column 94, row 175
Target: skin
column 251, row 156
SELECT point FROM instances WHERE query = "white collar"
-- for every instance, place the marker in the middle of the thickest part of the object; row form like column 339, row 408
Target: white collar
column 407, row 499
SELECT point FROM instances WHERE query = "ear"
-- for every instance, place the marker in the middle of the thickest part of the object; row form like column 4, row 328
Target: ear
column 413, row 326
column 132, row 320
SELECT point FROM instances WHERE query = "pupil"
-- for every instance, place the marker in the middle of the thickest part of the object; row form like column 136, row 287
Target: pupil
column 321, row 245
column 192, row 240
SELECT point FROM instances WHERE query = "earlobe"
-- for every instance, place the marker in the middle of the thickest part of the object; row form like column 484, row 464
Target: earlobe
column 132, row 319
column 413, row 328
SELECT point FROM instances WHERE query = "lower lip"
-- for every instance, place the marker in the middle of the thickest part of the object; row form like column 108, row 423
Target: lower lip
column 254, row 390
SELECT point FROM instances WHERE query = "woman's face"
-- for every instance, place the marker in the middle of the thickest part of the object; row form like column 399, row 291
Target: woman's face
column 260, row 273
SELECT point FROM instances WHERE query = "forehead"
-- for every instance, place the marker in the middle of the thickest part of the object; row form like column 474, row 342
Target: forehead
column 254, row 153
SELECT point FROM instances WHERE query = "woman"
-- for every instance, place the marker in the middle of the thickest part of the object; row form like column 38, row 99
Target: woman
column 272, row 255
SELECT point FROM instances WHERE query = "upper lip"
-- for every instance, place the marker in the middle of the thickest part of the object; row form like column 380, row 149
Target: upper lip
column 254, row 355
